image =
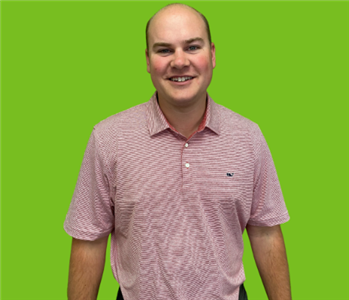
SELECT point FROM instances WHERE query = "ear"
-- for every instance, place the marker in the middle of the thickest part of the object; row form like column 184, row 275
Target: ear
column 213, row 55
column 148, row 60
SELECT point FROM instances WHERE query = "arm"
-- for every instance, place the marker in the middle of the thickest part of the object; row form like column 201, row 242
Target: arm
column 270, row 255
column 86, row 268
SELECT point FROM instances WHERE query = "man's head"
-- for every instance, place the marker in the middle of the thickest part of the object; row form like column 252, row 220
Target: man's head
column 179, row 46
column 184, row 5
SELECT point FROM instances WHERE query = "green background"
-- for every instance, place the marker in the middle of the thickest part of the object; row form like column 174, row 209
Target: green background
column 68, row 65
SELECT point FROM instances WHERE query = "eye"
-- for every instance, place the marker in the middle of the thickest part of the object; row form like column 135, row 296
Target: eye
column 164, row 51
column 193, row 48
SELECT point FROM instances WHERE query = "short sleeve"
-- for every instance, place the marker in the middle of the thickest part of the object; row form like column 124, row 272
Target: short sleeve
column 91, row 212
column 268, row 205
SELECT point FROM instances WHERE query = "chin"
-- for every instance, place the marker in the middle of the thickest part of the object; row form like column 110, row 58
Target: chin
column 182, row 98
column 179, row 96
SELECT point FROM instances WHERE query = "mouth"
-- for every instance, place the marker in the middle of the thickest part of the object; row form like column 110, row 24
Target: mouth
column 180, row 79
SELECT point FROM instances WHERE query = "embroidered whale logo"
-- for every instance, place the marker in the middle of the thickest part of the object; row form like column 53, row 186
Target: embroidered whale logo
column 230, row 174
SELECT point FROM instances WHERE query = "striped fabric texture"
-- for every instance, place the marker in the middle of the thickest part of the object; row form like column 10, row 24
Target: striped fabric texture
column 176, row 208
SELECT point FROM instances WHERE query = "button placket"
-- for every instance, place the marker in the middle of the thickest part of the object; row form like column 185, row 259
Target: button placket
column 186, row 164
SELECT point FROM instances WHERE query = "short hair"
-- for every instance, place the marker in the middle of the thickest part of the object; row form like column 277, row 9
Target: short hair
column 200, row 14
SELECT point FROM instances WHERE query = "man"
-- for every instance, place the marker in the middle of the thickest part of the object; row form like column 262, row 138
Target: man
column 176, row 181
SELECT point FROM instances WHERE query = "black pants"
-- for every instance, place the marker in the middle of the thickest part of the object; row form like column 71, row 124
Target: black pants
column 242, row 294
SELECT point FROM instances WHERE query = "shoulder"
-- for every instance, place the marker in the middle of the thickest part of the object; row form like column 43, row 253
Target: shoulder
column 108, row 133
column 127, row 120
column 242, row 130
column 234, row 122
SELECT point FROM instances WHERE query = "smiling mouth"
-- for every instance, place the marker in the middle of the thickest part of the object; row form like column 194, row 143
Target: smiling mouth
column 180, row 79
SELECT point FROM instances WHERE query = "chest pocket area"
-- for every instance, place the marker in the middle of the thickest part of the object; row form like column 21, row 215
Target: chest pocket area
column 230, row 196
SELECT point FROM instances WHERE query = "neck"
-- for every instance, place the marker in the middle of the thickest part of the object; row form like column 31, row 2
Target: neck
column 185, row 119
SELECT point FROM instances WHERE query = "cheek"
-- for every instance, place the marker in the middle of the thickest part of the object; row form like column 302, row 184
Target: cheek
column 203, row 63
column 157, row 66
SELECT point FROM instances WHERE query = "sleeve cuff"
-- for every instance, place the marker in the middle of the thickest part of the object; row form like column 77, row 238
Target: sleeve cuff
column 270, row 222
column 83, row 235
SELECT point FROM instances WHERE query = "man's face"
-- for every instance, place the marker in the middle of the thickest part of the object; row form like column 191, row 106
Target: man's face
column 179, row 50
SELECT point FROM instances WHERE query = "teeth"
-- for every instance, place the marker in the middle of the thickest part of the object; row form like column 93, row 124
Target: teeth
column 180, row 79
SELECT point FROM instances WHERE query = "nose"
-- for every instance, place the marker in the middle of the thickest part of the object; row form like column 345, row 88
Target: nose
column 179, row 60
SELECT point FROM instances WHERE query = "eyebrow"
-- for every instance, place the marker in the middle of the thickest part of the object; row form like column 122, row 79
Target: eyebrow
column 196, row 39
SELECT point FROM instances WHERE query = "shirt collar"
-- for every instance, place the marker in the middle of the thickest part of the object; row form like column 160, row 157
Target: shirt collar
column 157, row 121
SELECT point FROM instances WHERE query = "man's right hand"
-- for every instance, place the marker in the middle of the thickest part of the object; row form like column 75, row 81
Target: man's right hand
column 86, row 268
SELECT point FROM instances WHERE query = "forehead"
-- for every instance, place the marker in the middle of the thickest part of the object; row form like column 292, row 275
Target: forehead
column 176, row 24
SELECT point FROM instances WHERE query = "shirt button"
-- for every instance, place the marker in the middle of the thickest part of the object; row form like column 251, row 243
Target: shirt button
column 187, row 165
column 186, row 145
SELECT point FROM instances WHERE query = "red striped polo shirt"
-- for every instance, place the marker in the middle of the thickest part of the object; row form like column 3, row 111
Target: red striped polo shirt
column 176, row 208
